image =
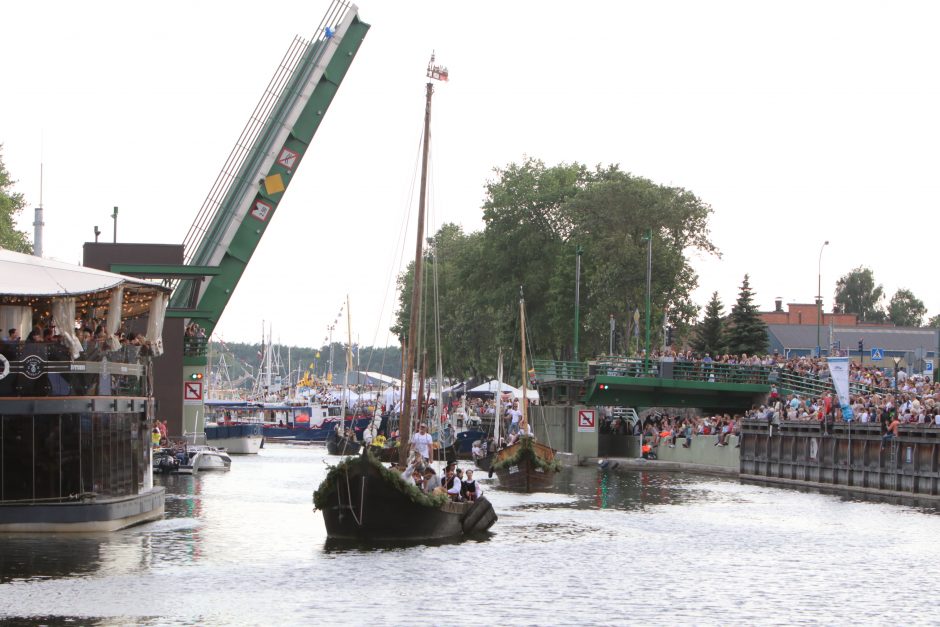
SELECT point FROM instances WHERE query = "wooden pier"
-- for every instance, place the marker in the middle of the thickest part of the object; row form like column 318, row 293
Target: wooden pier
column 843, row 456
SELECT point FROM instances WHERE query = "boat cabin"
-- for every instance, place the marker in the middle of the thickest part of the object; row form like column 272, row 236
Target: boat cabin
column 75, row 404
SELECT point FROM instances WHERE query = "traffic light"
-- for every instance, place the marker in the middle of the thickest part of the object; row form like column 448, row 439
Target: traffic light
column 196, row 376
column 861, row 346
column 669, row 336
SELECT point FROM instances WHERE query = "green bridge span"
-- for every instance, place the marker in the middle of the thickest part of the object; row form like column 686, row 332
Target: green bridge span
column 627, row 382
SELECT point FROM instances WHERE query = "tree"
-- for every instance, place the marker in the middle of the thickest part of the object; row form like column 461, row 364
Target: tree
column 535, row 217
column 934, row 322
column 906, row 310
column 747, row 333
column 857, row 293
column 11, row 205
column 709, row 335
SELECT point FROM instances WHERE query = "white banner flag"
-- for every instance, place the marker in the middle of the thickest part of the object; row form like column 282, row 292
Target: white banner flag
column 839, row 369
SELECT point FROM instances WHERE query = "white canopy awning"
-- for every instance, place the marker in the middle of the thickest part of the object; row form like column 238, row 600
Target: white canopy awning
column 26, row 275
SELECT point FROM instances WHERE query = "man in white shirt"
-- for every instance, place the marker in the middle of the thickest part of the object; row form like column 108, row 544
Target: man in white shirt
column 422, row 442
column 514, row 417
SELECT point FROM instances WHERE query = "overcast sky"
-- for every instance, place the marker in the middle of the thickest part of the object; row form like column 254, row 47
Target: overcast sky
column 798, row 122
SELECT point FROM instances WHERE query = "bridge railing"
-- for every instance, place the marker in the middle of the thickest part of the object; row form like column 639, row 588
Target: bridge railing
column 787, row 381
column 547, row 370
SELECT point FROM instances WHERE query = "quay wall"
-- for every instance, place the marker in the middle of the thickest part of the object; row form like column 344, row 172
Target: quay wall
column 843, row 456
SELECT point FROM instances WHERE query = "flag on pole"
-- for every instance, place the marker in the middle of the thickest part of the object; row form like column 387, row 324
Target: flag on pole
column 839, row 369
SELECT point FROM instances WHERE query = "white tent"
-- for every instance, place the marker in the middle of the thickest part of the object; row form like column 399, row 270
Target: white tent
column 391, row 396
column 490, row 387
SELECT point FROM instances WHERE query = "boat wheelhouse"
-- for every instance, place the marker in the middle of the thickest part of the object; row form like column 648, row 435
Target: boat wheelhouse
column 76, row 412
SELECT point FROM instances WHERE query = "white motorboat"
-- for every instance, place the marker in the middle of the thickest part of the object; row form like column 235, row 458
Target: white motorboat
column 202, row 457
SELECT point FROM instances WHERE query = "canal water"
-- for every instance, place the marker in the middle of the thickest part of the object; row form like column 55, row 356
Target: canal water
column 246, row 548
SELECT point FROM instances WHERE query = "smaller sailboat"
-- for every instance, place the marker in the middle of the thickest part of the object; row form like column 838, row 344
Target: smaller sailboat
column 525, row 464
column 343, row 441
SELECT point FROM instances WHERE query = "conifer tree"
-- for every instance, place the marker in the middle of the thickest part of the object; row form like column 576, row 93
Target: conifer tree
column 747, row 333
column 709, row 336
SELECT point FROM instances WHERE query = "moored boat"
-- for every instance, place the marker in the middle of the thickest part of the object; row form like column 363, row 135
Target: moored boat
column 236, row 438
column 76, row 414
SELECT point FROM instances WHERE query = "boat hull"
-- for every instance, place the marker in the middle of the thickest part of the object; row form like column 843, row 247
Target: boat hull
column 210, row 460
column 102, row 514
column 366, row 507
column 526, row 474
column 342, row 446
column 315, row 434
column 236, row 439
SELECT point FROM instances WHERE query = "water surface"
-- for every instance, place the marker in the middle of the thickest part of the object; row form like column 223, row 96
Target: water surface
column 246, row 548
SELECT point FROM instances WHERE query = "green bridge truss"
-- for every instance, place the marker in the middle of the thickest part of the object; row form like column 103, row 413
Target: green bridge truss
column 625, row 382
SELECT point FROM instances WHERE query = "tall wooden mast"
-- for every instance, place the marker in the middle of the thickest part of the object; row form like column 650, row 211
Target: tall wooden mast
column 525, row 396
column 404, row 428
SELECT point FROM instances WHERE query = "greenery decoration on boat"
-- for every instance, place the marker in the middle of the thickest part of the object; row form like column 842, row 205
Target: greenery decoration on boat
column 328, row 486
column 527, row 450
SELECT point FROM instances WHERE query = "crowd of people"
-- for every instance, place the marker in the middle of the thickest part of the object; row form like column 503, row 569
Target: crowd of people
column 92, row 341
column 455, row 483
column 903, row 399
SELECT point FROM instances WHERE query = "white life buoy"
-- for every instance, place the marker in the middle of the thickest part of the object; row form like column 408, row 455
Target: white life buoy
column 6, row 366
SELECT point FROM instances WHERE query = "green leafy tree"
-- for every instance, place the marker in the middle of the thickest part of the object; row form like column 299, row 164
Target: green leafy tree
column 857, row 293
column 709, row 334
column 746, row 333
column 906, row 310
column 11, row 205
column 535, row 217
column 934, row 321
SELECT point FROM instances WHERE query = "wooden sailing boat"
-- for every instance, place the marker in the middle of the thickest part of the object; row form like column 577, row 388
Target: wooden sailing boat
column 339, row 442
column 363, row 500
column 526, row 464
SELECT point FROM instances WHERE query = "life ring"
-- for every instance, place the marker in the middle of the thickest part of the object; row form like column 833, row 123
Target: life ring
column 6, row 366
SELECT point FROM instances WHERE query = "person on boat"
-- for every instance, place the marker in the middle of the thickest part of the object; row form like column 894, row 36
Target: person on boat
column 421, row 442
column 408, row 474
column 469, row 487
column 431, row 480
column 515, row 415
column 527, row 432
column 453, row 485
column 477, row 450
column 155, row 437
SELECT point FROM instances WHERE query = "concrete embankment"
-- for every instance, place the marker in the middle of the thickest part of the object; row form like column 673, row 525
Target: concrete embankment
column 701, row 456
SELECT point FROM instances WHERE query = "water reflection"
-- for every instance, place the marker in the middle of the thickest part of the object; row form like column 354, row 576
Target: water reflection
column 25, row 556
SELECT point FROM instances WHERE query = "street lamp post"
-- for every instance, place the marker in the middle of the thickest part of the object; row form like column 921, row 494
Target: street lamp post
column 819, row 297
column 649, row 271
column 577, row 299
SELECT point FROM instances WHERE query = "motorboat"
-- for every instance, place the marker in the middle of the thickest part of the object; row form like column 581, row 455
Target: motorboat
column 204, row 457
column 192, row 458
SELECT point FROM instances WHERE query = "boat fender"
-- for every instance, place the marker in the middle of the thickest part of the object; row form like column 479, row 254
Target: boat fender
column 473, row 517
column 6, row 366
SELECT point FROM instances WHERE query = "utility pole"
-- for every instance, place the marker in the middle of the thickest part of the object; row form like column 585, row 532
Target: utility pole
column 649, row 272
column 114, row 215
column 577, row 298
